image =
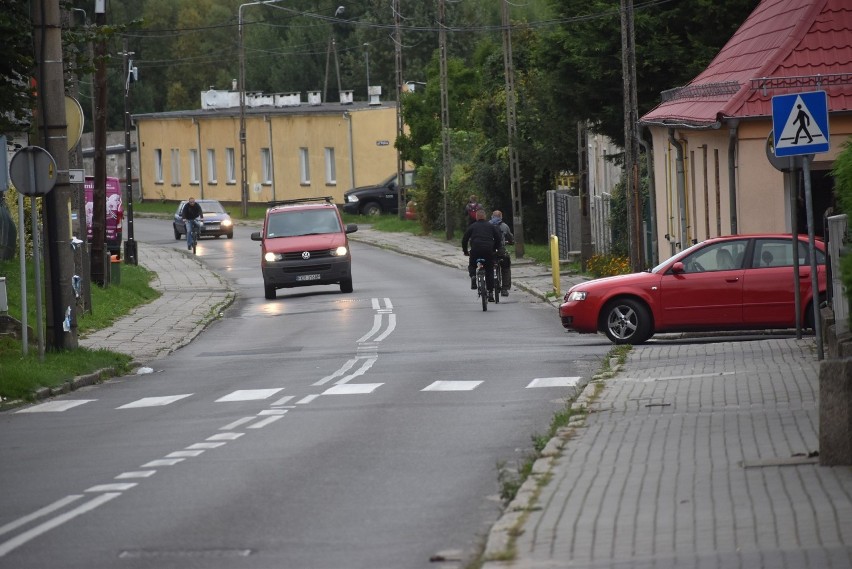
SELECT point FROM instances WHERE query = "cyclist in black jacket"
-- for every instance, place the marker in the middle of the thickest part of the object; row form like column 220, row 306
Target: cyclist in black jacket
column 484, row 240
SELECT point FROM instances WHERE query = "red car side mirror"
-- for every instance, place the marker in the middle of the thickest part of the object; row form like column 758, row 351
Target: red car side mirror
column 677, row 268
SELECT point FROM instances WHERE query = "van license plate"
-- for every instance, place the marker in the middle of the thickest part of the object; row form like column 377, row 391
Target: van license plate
column 307, row 277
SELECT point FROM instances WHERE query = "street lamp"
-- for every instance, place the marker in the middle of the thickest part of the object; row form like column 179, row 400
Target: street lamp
column 242, row 87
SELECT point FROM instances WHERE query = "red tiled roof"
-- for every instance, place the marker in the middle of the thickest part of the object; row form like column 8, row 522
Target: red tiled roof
column 781, row 48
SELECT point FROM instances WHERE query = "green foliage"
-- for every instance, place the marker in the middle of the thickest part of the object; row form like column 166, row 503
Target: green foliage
column 608, row 265
column 842, row 173
column 16, row 64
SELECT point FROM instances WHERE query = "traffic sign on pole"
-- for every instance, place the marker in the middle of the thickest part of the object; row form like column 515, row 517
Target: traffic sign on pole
column 800, row 123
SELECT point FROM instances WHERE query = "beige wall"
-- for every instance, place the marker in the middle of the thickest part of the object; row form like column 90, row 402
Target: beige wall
column 362, row 141
column 762, row 192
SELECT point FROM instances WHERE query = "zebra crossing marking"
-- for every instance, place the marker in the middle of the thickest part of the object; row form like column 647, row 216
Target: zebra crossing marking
column 452, row 386
column 249, row 395
column 55, row 406
column 154, row 401
column 554, row 382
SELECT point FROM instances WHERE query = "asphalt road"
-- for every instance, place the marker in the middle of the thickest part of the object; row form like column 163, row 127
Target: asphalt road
column 319, row 429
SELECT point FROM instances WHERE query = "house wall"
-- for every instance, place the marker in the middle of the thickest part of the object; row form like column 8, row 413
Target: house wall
column 762, row 192
column 361, row 140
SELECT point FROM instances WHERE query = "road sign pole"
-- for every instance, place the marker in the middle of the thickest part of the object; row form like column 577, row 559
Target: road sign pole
column 806, row 170
column 31, row 160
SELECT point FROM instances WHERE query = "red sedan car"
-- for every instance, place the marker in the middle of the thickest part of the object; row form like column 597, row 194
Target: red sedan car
column 740, row 282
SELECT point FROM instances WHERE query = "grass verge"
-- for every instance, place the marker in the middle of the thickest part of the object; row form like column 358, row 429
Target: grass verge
column 22, row 376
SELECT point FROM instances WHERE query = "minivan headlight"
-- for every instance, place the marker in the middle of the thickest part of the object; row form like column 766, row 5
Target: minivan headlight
column 339, row 252
column 271, row 257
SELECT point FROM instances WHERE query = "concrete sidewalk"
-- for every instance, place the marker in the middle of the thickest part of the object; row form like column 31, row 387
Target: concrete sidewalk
column 695, row 453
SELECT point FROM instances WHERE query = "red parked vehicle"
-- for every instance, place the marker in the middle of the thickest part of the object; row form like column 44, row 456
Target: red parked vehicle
column 739, row 282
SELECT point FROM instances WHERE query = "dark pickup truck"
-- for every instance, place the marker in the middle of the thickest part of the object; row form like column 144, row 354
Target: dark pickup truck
column 374, row 200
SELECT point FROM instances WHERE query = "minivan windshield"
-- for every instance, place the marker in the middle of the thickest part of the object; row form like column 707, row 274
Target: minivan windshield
column 302, row 222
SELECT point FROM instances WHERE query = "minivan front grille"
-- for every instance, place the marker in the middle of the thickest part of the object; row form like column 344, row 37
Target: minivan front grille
column 321, row 254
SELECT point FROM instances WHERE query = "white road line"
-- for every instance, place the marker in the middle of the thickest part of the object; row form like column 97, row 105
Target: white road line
column 284, row 400
column 272, row 412
column 55, row 406
column 136, row 474
column 28, row 535
column 307, row 399
column 114, row 487
column 388, row 304
column 368, row 363
column 225, row 437
column 154, row 401
column 204, row 446
column 39, row 513
column 352, row 388
column 184, row 454
column 264, row 422
column 452, row 386
column 375, row 303
column 249, row 395
column 377, row 324
column 23, row 538
column 343, row 369
column 391, row 328
column 162, row 462
column 554, row 382
column 235, row 424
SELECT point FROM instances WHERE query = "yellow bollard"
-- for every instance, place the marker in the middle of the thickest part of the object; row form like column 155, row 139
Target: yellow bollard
column 554, row 263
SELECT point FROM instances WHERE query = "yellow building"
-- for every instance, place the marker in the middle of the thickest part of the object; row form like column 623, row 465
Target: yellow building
column 294, row 149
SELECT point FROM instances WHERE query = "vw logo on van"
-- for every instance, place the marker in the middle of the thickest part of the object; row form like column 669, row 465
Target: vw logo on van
column 306, row 255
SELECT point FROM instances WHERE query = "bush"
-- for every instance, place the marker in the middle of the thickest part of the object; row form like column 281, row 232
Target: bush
column 842, row 173
column 608, row 265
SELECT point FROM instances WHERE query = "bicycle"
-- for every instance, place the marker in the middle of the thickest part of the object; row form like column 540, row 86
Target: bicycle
column 481, row 287
column 193, row 233
column 498, row 278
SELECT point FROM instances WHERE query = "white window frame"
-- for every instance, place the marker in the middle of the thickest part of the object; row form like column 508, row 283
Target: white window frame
column 330, row 167
column 304, row 166
column 176, row 166
column 230, row 166
column 266, row 165
column 211, row 166
column 193, row 166
column 158, row 165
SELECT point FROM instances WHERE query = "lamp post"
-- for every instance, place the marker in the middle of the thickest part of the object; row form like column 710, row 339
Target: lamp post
column 242, row 88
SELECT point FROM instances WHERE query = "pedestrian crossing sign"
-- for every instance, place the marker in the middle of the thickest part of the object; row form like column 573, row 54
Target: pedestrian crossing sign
column 800, row 123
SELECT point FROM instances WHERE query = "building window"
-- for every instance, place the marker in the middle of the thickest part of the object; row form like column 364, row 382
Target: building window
column 231, row 171
column 266, row 165
column 211, row 165
column 193, row 166
column 304, row 166
column 175, row 166
column 158, row 165
column 330, row 169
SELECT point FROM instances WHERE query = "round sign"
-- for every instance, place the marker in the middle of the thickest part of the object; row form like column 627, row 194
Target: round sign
column 33, row 171
column 783, row 163
column 74, row 119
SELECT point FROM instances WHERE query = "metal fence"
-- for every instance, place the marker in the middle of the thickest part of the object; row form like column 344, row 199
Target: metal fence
column 563, row 221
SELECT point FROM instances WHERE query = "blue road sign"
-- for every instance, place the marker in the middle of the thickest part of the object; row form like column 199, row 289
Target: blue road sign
column 800, row 123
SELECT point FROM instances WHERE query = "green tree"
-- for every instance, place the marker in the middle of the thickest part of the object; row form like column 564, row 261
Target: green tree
column 16, row 64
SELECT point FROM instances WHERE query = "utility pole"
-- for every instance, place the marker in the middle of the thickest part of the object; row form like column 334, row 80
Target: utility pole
column 449, row 221
column 53, row 134
column 400, row 129
column 585, row 198
column 98, row 249
column 130, row 249
column 512, row 125
column 632, row 192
